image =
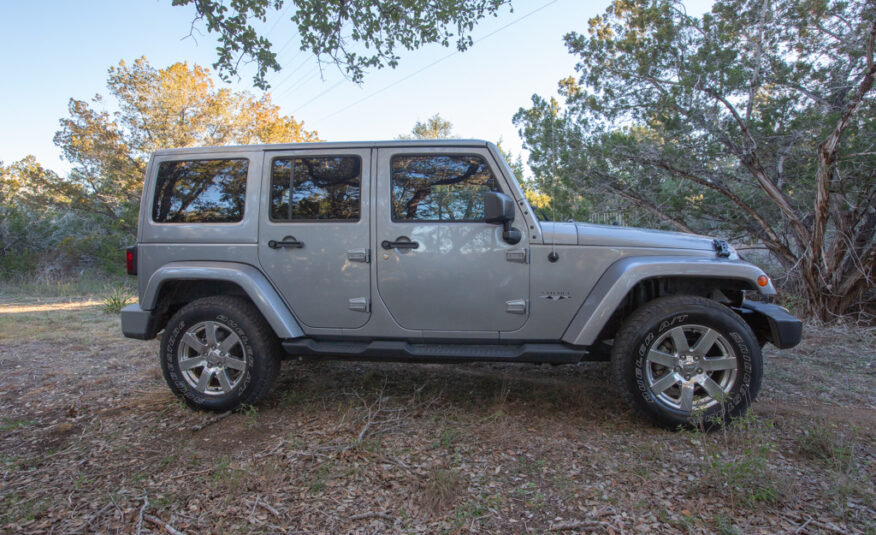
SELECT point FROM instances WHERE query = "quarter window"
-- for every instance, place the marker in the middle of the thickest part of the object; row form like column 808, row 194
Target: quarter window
column 440, row 187
column 200, row 191
column 324, row 188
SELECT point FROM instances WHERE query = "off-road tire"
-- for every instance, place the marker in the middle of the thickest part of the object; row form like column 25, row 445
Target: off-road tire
column 632, row 367
column 254, row 337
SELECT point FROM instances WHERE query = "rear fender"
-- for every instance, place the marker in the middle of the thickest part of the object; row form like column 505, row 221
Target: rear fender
column 250, row 279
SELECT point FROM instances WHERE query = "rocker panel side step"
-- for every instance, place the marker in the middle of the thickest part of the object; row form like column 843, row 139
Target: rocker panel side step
column 417, row 352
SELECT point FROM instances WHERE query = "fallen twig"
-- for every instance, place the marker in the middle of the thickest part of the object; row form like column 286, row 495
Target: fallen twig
column 270, row 509
column 140, row 517
column 212, row 421
column 161, row 523
column 828, row 526
column 803, row 525
column 587, row 525
column 372, row 514
column 184, row 474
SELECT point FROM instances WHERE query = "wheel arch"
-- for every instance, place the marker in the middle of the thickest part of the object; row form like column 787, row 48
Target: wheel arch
column 634, row 281
column 178, row 283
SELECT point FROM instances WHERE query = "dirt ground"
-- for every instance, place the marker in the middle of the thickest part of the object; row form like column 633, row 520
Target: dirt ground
column 92, row 441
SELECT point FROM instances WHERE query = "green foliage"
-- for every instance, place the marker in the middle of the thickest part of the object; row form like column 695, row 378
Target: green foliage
column 435, row 127
column 329, row 28
column 833, row 449
column 738, row 461
column 754, row 122
column 117, row 298
column 32, row 232
column 57, row 226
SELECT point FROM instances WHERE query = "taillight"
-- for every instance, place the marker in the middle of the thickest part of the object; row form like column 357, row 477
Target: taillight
column 131, row 260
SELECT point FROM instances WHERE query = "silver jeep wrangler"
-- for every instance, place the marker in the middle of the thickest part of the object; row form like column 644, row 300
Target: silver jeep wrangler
column 426, row 251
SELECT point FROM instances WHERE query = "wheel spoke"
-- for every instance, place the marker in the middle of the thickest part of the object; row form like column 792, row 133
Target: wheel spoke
column 223, row 381
column 665, row 382
column 687, row 393
column 234, row 363
column 705, row 343
column 188, row 364
column 718, row 364
column 713, row 388
column 679, row 339
column 192, row 341
column 664, row 359
column 230, row 341
column 210, row 331
column 204, row 380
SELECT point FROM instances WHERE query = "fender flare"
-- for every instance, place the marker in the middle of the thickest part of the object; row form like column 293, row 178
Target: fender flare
column 250, row 279
column 620, row 277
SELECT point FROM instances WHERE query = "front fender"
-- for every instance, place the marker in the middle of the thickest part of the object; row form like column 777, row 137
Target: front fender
column 250, row 279
column 619, row 279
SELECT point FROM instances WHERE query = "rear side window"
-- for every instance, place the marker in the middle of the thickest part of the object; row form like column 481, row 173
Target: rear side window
column 323, row 188
column 200, row 191
column 440, row 187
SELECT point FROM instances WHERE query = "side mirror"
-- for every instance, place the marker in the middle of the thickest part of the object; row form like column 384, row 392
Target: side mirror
column 499, row 208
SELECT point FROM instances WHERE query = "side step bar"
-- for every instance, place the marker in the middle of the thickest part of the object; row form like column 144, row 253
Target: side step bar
column 392, row 350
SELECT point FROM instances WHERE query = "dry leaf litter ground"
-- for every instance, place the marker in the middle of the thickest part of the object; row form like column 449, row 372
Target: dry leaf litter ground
column 92, row 441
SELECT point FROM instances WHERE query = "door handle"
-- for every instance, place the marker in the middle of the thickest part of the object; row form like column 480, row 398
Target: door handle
column 400, row 243
column 287, row 241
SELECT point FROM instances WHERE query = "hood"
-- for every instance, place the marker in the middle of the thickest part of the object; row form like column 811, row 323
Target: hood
column 613, row 236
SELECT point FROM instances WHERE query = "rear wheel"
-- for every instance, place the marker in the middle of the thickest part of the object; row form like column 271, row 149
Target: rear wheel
column 218, row 353
column 686, row 360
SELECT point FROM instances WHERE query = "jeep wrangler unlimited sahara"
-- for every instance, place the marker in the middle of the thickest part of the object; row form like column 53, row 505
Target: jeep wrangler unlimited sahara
column 428, row 251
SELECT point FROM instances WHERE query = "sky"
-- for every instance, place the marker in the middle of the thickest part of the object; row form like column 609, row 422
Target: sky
column 52, row 51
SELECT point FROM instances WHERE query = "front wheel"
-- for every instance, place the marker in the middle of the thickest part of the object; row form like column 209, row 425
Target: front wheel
column 686, row 360
column 218, row 353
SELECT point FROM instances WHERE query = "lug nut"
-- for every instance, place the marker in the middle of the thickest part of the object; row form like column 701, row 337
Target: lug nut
column 699, row 370
column 687, row 377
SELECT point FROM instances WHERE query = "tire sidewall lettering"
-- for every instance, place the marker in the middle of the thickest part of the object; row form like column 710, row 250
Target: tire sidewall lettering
column 172, row 364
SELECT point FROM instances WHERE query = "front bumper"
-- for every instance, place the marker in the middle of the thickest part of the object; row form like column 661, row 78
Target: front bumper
column 773, row 323
column 138, row 323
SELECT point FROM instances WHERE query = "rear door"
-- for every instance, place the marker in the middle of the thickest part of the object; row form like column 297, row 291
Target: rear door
column 314, row 233
column 440, row 266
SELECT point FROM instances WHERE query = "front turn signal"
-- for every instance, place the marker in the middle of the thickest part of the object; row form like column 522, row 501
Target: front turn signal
column 763, row 280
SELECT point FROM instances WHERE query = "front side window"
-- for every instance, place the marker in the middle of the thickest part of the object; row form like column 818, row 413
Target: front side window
column 200, row 191
column 440, row 187
column 323, row 188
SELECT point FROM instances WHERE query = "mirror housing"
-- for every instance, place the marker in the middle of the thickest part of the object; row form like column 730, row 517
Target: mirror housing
column 499, row 209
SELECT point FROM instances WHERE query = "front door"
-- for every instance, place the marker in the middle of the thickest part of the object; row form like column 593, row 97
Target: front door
column 314, row 234
column 440, row 267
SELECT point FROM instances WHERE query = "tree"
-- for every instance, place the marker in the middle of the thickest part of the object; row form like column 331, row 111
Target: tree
column 435, row 127
column 756, row 119
column 93, row 212
column 157, row 108
column 330, row 29
column 29, row 227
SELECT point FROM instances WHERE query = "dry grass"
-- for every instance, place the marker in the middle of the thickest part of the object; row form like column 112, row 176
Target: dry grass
column 92, row 441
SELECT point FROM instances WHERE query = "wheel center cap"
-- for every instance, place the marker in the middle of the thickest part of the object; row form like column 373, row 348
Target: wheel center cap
column 214, row 358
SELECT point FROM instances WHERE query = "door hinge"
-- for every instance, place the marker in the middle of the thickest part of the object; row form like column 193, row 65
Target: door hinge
column 517, row 255
column 516, row 306
column 359, row 255
column 360, row 304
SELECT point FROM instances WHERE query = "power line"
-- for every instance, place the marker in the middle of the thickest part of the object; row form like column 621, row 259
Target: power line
column 437, row 61
column 302, row 81
column 319, row 96
column 280, row 16
column 276, row 87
